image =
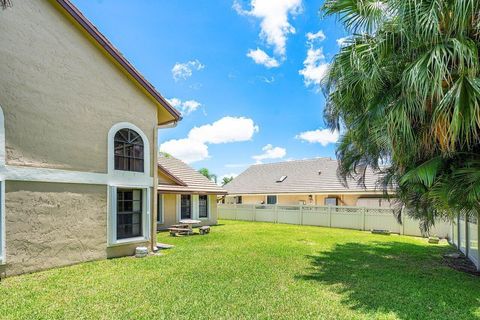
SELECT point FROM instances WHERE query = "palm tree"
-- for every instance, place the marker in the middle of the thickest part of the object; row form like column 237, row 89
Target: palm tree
column 405, row 91
column 226, row 180
column 210, row 176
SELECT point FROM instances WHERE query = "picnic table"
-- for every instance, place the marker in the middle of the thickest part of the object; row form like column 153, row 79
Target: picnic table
column 189, row 222
column 185, row 227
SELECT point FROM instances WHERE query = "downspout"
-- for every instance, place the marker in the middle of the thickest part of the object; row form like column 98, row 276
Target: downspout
column 153, row 222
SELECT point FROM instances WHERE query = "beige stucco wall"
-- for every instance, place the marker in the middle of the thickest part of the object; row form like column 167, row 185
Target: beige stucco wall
column 349, row 199
column 253, row 199
column 286, row 199
column 52, row 224
column 164, row 179
column 213, row 215
column 61, row 93
column 293, row 199
column 170, row 211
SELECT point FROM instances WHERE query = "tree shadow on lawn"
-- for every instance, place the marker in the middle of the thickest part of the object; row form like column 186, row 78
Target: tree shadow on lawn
column 408, row 280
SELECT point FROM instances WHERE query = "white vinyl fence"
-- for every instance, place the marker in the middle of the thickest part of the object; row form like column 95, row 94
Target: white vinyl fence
column 464, row 235
column 360, row 218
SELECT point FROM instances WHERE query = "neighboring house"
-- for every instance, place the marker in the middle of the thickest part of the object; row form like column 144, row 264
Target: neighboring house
column 184, row 193
column 306, row 182
column 78, row 142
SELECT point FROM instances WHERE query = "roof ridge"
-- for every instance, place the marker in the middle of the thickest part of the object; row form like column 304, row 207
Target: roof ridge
column 296, row 160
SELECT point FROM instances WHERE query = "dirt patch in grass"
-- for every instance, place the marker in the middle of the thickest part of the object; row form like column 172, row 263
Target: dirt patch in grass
column 458, row 261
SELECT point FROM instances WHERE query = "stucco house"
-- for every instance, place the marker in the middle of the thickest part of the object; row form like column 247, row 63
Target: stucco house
column 184, row 193
column 78, row 142
column 305, row 182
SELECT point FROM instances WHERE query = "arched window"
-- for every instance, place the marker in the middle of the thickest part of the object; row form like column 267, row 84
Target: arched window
column 129, row 151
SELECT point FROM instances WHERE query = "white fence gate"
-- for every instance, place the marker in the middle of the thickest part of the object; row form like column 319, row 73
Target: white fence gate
column 360, row 218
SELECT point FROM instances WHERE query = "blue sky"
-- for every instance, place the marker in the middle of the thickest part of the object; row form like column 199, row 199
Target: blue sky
column 234, row 69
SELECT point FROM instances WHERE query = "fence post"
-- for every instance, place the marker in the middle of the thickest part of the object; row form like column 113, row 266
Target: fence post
column 478, row 242
column 402, row 220
column 235, row 211
column 254, row 212
column 330, row 216
column 467, row 236
column 458, row 231
column 301, row 215
column 363, row 218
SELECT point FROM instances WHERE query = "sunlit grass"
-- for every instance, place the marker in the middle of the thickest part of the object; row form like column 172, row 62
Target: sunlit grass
column 247, row 270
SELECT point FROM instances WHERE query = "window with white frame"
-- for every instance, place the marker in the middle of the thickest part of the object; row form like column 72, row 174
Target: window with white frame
column 331, row 201
column 129, row 151
column 203, row 206
column 129, row 213
column 271, row 199
column 186, row 207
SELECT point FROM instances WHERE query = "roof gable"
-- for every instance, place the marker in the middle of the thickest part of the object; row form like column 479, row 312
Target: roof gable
column 187, row 179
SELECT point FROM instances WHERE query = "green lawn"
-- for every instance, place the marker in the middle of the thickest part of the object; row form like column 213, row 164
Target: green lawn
column 256, row 271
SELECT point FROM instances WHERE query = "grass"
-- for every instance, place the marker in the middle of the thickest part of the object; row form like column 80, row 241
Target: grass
column 247, row 270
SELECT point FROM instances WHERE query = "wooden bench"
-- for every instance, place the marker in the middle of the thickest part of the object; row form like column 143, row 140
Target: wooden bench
column 180, row 231
column 204, row 230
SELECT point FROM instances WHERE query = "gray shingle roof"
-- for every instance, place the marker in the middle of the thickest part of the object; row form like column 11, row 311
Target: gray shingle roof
column 303, row 176
column 193, row 181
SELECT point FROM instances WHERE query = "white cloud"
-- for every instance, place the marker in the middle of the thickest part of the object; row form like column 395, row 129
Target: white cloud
column 268, row 80
column 186, row 149
column 261, row 57
column 185, row 107
column 225, row 130
column 315, row 68
column 322, row 136
column 270, row 152
column 320, row 36
column 274, row 24
column 195, row 147
column 342, row 41
column 183, row 71
column 191, row 105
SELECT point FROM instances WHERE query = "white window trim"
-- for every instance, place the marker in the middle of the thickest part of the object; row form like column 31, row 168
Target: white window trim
column 208, row 208
column 195, row 202
column 112, row 216
column 2, row 138
column 111, row 152
column 179, row 208
column 162, row 209
column 2, row 224
column 2, row 190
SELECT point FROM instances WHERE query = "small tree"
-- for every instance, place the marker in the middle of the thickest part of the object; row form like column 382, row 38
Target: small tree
column 226, row 180
column 210, row 176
